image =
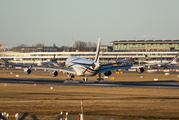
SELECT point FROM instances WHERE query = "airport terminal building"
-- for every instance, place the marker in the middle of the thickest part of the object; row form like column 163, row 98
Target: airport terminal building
column 136, row 49
column 161, row 45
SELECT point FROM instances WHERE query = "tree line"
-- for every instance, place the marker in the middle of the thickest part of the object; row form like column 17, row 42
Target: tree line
column 77, row 46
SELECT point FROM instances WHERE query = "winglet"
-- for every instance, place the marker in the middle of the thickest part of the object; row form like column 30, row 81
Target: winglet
column 97, row 51
column 53, row 60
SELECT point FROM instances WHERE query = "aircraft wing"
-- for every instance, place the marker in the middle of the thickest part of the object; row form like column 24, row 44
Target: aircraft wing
column 149, row 64
column 109, row 68
column 167, row 64
column 21, row 65
column 63, row 69
column 170, row 66
column 163, row 63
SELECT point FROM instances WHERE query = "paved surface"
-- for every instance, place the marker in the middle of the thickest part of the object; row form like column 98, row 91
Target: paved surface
column 145, row 84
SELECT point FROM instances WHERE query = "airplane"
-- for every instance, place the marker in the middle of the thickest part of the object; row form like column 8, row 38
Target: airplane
column 52, row 62
column 86, row 68
column 121, row 61
column 19, row 61
column 161, row 63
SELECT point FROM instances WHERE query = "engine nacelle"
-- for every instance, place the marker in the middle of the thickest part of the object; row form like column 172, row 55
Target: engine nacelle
column 27, row 71
column 139, row 70
column 160, row 65
column 108, row 73
column 54, row 73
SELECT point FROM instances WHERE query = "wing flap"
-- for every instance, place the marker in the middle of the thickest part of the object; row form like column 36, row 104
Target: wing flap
column 109, row 68
column 63, row 69
column 20, row 65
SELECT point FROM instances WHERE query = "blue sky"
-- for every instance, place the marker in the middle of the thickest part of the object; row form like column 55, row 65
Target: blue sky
column 57, row 21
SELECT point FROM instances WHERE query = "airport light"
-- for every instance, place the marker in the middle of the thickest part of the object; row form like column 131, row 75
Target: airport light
column 66, row 116
column 16, row 116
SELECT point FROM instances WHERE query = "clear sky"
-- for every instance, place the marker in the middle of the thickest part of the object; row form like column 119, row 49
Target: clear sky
column 57, row 21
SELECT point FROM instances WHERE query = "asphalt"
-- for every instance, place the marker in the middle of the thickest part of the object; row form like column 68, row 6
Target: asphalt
column 145, row 84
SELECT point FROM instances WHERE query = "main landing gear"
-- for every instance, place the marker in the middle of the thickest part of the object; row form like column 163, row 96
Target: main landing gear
column 99, row 79
column 70, row 76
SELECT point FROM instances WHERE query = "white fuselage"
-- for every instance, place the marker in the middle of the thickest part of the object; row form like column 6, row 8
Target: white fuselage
column 81, row 69
column 45, row 63
column 122, row 61
column 163, row 62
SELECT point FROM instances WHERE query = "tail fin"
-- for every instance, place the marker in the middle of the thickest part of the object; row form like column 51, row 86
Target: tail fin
column 97, row 51
column 53, row 60
column 161, row 58
column 174, row 59
column 117, row 61
column 146, row 58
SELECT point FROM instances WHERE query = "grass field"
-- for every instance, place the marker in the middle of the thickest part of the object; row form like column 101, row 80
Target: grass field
column 109, row 102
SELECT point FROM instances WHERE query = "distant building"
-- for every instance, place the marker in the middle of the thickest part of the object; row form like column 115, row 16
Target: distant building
column 35, row 49
column 5, row 49
column 162, row 45
column 106, row 48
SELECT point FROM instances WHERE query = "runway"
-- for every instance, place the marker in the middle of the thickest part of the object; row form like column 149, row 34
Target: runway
column 144, row 84
column 173, row 84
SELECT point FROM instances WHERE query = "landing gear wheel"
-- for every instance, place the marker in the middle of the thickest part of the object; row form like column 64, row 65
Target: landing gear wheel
column 70, row 76
column 99, row 77
column 85, row 79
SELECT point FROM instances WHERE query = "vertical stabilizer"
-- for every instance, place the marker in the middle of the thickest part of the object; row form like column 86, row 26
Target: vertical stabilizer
column 174, row 59
column 53, row 60
column 117, row 59
column 97, row 51
column 161, row 58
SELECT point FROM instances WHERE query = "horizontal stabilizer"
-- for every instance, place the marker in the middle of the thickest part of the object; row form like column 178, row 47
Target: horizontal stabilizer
column 85, row 64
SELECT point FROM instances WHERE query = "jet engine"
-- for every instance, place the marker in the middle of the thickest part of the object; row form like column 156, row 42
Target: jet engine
column 162, row 66
column 27, row 71
column 139, row 70
column 108, row 73
column 54, row 73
